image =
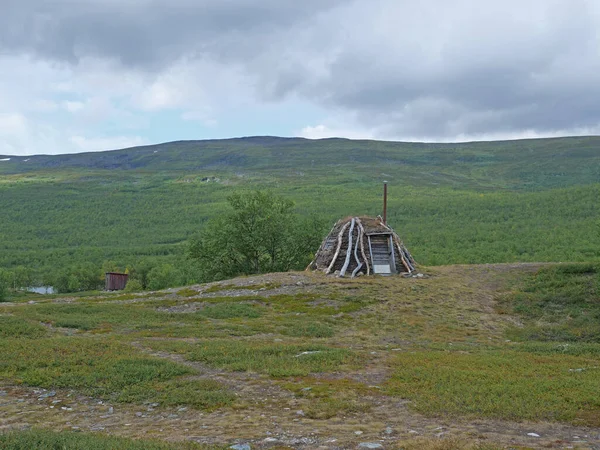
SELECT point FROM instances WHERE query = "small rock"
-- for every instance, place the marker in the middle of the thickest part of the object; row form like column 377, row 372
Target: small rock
column 172, row 416
column 300, row 412
column 358, row 433
column 154, row 405
column 139, row 414
column 413, row 432
column 307, row 353
column 46, row 395
column 270, row 439
column 111, row 410
column 370, row 445
column 31, row 302
column 420, row 275
column 96, row 428
column 306, row 389
column 182, row 409
column 240, row 447
column 389, row 430
column 299, row 283
column 533, row 434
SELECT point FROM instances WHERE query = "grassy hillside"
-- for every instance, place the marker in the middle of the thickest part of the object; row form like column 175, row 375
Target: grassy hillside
column 525, row 164
column 532, row 200
column 466, row 357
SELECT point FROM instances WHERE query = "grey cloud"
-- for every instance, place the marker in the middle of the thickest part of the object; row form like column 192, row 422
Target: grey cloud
column 421, row 69
column 146, row 33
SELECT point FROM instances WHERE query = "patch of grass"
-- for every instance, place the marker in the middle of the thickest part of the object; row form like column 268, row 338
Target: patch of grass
column 324, row 398
column 104, row 368
column 276, row 360
column 559, row 303
column 121, row 297
column 235, row 287
column 68, row 440
column 198, row 393
column 450, row 444
column 105, row 317
column 230, row 311
column 555, row 348
column 14, row 327
column 187, row 292
column 311, row 329
column 500, row 384
column 327, row 304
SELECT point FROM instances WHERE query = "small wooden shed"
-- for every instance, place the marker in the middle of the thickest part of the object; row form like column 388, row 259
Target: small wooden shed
column 115, row 281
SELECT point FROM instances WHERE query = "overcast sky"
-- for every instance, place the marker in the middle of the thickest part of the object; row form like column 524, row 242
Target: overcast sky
column 87, row 75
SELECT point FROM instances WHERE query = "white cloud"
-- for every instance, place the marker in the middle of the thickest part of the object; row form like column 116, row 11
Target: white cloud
column 86, row 144
column 323, row 131
column 390, row 69
column 14, row 124
column 73, row 107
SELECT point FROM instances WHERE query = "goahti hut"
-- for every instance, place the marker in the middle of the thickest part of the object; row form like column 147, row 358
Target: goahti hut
column 362, row 245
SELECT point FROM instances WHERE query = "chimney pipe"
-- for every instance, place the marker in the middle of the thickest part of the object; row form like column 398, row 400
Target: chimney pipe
column 385, row 202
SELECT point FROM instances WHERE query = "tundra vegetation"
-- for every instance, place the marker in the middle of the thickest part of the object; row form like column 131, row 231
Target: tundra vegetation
column 469, row 356
column 527, row 201
column 495, row 344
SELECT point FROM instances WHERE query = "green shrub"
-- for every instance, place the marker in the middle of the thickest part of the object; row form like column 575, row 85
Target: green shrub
column 162, row 277
column 16, row 327
column 68, row 440
column 133, row 286
column 4, row 284
column 230, row 311
column 560, row 303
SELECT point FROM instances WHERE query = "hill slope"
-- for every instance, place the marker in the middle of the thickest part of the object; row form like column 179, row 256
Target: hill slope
column 452, row 203
column 534, row 163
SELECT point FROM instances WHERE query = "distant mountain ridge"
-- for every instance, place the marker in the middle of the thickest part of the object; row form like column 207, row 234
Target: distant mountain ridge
column 544, row 162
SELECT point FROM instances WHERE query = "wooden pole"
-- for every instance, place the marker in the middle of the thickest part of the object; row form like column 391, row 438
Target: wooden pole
column 362, row 245
column 348, row 250
column 385, row 202
column 339, row 246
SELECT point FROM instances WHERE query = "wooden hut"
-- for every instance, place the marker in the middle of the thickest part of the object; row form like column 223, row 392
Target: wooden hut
column 115, row 281
column 362, row 245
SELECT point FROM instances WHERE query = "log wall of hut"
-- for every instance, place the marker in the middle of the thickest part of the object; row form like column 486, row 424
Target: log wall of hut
column 336, row 255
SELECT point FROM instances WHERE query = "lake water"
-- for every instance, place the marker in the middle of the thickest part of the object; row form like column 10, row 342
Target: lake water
column 41, row 289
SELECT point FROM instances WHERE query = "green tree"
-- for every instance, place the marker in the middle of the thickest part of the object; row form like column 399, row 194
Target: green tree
column 163, row 276
column 259, row 234
column 83, row 277
column 21, row 277
column 140, row 270
column 4, row 284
